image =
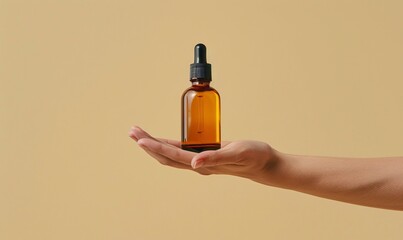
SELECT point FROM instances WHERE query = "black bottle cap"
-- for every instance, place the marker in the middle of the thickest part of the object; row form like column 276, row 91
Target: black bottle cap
column 200, row 70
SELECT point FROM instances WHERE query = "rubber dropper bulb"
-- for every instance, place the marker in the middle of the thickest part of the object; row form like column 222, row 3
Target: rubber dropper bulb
column 200, row 53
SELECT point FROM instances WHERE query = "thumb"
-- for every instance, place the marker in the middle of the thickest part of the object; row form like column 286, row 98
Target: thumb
column 213, row 158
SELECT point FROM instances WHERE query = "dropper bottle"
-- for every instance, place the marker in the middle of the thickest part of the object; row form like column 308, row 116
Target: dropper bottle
column 201, row 126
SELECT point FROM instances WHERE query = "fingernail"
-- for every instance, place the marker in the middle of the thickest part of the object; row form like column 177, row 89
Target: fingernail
column 141, row 144
column 198, row 163
column 131, row 135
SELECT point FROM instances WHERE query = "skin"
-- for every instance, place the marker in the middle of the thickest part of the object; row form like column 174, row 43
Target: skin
column 373, row 182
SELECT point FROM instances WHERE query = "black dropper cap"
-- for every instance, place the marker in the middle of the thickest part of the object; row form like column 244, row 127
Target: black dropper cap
column 200, row 69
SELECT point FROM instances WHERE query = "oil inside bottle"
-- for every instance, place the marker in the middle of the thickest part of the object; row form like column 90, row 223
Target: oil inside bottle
column 201, row 118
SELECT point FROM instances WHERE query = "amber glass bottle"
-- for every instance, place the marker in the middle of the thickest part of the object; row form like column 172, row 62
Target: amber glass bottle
column 201, row 128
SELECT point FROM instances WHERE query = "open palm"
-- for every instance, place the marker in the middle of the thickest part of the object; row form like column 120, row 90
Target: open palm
column 249, row 159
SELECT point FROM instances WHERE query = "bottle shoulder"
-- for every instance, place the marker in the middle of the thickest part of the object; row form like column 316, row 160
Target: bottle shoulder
column 192, row 91
column 201, row 89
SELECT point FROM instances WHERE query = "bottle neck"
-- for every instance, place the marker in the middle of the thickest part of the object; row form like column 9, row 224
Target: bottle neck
column 200, row 83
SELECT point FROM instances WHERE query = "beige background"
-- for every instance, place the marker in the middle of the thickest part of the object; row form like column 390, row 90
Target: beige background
column 309, row 77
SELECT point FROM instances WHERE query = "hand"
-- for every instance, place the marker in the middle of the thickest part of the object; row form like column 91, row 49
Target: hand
column 379, row 180
column 248, row 159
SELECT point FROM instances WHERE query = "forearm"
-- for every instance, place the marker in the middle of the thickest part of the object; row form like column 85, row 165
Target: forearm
column 376, row 182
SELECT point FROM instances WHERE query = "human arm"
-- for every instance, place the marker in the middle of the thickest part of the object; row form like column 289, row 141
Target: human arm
column 375, row 182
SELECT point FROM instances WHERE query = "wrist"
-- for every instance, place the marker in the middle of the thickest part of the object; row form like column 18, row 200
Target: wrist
column 278, row 171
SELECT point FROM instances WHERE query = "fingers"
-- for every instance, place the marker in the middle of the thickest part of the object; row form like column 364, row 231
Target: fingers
column 166, row 161
column 137, row 133
column 214, row 158
column 171, row 152
column 165, row 148
column 171, row 142
column 165, row 151
column 168, row 152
